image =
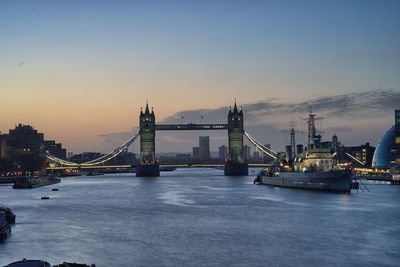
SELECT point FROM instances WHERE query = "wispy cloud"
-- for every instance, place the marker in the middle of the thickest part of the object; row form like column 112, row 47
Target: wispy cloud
column 355, row 116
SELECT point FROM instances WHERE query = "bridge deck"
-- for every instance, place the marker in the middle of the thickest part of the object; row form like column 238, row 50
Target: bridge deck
column 192, row 165
column 190, row 126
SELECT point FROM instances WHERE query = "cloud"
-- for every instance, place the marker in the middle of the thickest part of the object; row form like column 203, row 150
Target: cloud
column 351, row 116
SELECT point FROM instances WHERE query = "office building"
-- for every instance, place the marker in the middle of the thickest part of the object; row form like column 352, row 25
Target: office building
column 204, row 147
column 223, row 152
column 246, row 152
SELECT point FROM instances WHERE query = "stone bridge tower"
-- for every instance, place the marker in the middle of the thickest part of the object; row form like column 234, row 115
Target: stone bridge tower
column 148, row 166
column 235, row 166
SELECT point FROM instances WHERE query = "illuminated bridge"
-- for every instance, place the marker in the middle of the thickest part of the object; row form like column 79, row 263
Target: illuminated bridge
column 148, row 164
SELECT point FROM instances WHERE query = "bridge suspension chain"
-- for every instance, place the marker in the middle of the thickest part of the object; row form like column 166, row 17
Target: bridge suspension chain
column 263, row 148
column 99, row 160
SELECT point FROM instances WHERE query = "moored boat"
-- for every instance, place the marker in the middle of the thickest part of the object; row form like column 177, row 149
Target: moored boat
column 315, row 168
column 5, row 229
column 35, row 181
column 10, row 216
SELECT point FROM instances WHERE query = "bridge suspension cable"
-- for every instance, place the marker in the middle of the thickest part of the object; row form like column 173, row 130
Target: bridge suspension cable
column 263, row 148
column 118, row 150
column 99, row 160
column 354, row 158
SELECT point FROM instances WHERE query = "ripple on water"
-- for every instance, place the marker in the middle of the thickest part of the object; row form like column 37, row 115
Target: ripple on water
column 176, row 198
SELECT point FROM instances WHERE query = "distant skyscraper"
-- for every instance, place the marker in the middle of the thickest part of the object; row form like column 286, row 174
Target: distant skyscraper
column 204, row 147
column 335, row 142
column 246, row 152
column 223, row 152
column 196, row 152
column 256, row 156
column 266, row 157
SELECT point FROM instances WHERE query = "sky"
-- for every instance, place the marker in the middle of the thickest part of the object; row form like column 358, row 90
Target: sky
column 79, row 71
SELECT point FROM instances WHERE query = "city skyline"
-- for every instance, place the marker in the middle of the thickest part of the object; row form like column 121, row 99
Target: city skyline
column 80, row 71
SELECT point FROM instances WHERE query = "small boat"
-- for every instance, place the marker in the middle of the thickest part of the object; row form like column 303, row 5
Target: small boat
column 5, row 229
column 10, row 216
column 45, row 197
column 54, row 189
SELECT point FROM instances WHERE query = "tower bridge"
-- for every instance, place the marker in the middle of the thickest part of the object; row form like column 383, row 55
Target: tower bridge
column 148, row 164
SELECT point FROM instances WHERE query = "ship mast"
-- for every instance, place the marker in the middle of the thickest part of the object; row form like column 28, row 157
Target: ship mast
column 311, row 128
column 313, row 138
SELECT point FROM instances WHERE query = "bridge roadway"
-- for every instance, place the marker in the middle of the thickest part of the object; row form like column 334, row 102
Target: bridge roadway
column 190, row 126
column 191, row 165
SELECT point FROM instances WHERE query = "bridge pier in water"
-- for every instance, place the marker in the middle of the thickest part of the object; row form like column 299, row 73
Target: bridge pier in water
column 235, row 166
column 148, row 166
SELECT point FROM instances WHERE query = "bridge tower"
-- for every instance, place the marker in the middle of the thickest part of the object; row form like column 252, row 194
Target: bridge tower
column 235, row 166
column 148, row 166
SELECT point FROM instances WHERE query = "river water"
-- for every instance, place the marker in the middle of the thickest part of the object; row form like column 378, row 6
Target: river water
column 199, row 217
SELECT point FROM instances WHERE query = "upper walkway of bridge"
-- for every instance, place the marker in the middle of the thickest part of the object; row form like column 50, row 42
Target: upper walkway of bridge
column 190, row 126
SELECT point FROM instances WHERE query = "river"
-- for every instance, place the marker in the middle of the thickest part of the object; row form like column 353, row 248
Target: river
column 199, row 217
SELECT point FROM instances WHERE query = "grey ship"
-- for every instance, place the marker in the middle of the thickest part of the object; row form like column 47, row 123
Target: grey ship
column 316, row 168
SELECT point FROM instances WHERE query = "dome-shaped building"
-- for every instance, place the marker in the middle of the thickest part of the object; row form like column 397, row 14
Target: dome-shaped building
column 383, row 153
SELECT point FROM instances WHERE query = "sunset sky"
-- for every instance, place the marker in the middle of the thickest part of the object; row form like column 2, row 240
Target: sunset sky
column 79, row 71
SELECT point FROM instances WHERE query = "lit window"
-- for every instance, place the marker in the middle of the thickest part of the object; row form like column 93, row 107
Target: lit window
column 397, row 140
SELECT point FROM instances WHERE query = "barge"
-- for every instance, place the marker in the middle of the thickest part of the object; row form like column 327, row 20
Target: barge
column 35, row 181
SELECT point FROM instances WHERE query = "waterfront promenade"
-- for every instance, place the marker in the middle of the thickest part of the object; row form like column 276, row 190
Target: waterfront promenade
column 199, row 217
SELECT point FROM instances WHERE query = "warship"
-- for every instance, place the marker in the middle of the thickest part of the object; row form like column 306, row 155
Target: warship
column 314, row 168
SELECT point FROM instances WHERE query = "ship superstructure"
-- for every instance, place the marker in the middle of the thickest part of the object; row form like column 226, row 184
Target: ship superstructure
column 314, row 168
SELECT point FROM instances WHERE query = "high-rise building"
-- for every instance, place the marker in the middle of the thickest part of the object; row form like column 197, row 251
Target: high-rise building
column 54, row 149
column 335, row 143
column 25, row 137
column 246, row 152
column 256, row 156
column 267, row 158
column 3, row 147
column 363, row 153
column 223, row 152
column 196, row 152
column 204, row 147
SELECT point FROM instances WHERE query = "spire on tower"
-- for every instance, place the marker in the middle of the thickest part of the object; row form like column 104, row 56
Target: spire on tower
column 147, row 107
column 235, row 110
